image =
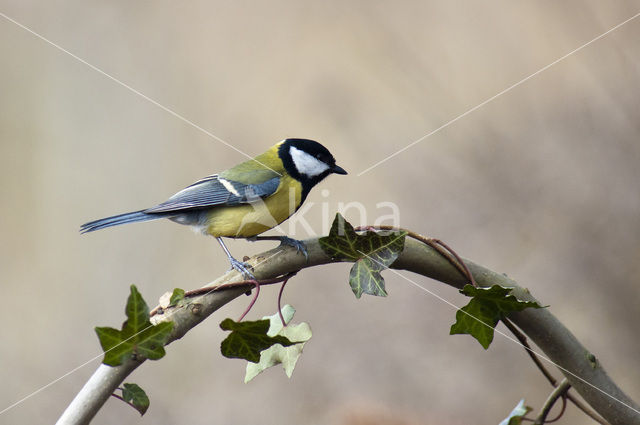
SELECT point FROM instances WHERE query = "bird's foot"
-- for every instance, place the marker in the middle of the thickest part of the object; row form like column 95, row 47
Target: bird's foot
column 242, row 268
column 284, row 240
column 298, row 245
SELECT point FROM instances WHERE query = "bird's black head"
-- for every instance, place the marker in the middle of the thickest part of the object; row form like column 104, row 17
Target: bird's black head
column 308, row 162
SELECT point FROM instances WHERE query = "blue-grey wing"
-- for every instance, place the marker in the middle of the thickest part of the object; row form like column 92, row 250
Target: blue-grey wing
column 213, row 191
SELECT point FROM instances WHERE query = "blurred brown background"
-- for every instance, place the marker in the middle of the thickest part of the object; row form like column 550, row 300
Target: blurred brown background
column 542, row 184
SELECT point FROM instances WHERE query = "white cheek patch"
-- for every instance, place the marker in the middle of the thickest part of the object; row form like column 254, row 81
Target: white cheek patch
column 307, row 164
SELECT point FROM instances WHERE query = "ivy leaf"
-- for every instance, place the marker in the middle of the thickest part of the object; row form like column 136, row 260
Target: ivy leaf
column 365, row 277
column 138, row 337
column 486, row 308
column 137, row 313
column 277, row 354
column 115, row 350
column 371, row 252
column 342, row 242
column 150, row 342
column 516, row 415
column 134, row 395
column 176, row 296
column 248, row 339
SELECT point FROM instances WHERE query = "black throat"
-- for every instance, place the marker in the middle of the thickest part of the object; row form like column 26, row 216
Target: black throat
column 311, row 147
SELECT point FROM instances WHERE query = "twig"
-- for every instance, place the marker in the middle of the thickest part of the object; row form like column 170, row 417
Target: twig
column 262, row 282
column 527, row 348
column 280, row 300
column 458, row 263
column 557, row 392
column 562, row 409
column 206, row 290
column 120, row 398
column 586, row 410
column 253, row 300
column 523, row 340
column 441, row 247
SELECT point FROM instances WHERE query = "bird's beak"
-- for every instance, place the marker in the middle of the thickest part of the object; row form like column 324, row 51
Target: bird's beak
column 338, row 170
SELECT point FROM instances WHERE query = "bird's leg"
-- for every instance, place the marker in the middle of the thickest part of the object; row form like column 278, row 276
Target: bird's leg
column 240, row 266
column 284, row 240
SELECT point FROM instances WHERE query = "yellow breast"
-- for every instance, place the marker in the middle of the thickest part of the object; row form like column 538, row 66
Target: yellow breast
column 248, row 220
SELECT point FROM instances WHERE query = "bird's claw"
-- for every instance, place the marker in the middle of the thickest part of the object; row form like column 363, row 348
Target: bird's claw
column 294, row 243
column 242, row 268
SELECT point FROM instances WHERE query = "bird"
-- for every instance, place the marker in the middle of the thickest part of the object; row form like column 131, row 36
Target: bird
column 245, row 200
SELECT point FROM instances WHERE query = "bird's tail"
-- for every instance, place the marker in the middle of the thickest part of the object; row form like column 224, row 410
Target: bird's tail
column 116, row 220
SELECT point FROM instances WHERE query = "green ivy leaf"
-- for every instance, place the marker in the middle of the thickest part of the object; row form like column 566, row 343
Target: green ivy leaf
column 365, row 277
column 115, row 350
column 176, row 297
column 137, row 313
column 132, row 393
column 138, row 336
column 277, row 354
column 486, row 308
column 516, row 415
column 248, row 339
column 150, row 342
column 371, row 252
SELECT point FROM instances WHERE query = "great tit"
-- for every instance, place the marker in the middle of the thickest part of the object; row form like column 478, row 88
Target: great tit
column 245, row 200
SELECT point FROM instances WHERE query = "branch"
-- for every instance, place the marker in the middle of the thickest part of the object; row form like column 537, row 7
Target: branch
column 553, row 338
column 527, row 348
